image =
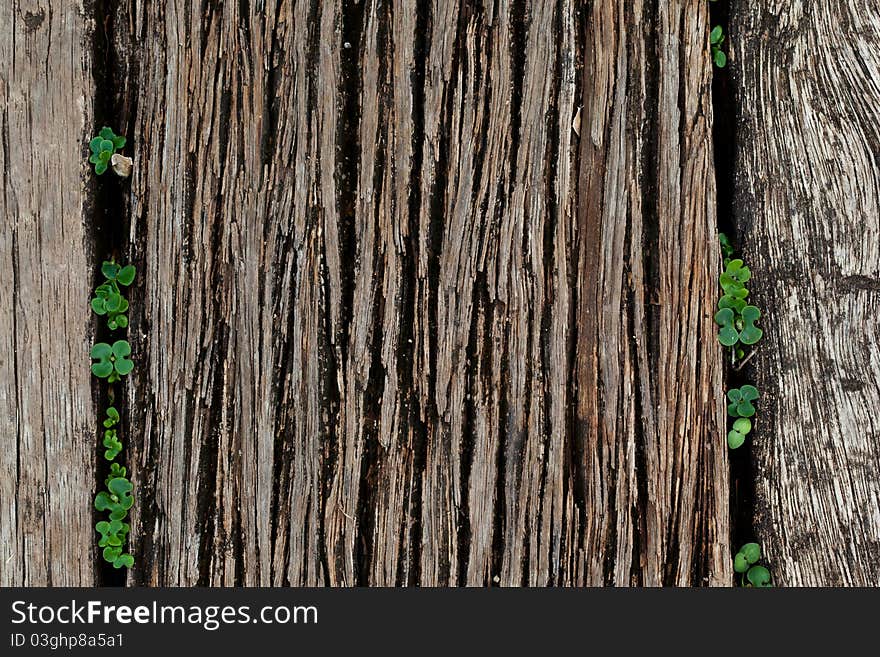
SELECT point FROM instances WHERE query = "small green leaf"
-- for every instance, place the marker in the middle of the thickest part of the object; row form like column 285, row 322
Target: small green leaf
column 110, row 554
column 732, row 301
column 103, row 501
column 716, row 35
column 107, row 133
column 735, row 439
column 118, row 142
column 749, row 392
column 121, row 351
column 112, row 414
column 740, row 564
column 113, row 302
column 107, row 147
column 121, row 488
column 750, row 333
column 122, row 321
column 743, row 425
column 752, row 552
column 100, row 168
column 104, row 367
column 98, row 306
column 125, row 275
column 758, row 576
column 728, row 335
column 95, row 144
column 720, row 59
column 123, row 561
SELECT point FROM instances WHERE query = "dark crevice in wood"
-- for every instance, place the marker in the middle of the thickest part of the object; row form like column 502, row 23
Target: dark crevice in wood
column 406, row 370
column 724, row 137
column 501, row 456
column 208, row 469
column 268, row 139
column 474, row 372
column 553, row 210
column 369, row 493
column 647, row 103
column 347, row 161
column 106, row 231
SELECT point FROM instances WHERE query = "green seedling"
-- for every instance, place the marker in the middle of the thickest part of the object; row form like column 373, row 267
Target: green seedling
column 716, row 38
column 117, row 499
column 112, row 533
column 108, row 300
column 737, row 436
column 749, row 333
column 117, row 557
column 741, row 401
column 112, row 418
column 112, row 361
column 735, row 317
column 111, row 440
column 112, row 443
column 726, row 248
column 103, row 146
column 745, row 563
column 116, row 471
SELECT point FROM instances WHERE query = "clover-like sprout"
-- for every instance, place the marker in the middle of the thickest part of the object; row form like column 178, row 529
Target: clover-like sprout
column 716, row 38
column 112, row 443
column 112, row 361
column 737, row 436
column 741, row 401
column 728, row 335
column 745, row 563
column 103, row 146
column 750, row 334
column 108, row 300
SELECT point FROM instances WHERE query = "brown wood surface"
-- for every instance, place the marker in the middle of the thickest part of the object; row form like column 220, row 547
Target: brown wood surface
column 396, row 321
column 808, row 202
column 47, row 418
column 400, row 325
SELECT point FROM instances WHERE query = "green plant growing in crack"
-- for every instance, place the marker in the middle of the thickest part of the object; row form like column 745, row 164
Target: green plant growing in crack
column 752, row 574
column 108, row 300
column 111, row 363
column 117, row 500
column 103, row 147
column 111, row 440
column 735, row 317
column 742, row 410
column 112, row 360
column 716, row 38
column 741, row 401
column 737, row 435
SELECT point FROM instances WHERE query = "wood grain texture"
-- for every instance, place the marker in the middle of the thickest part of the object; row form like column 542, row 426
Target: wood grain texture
column 397, row 323
column 808, row 202
column 647, row 365
column 47, row 418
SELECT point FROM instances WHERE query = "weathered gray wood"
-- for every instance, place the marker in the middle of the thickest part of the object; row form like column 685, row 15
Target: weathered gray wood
column 47, row 418
column 397, row 323
column 808, row 201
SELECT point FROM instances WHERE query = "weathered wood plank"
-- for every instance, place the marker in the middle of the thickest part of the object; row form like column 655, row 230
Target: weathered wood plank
column 397, row 323
column 807, row 207
column 47, row 418
column 648, row 370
